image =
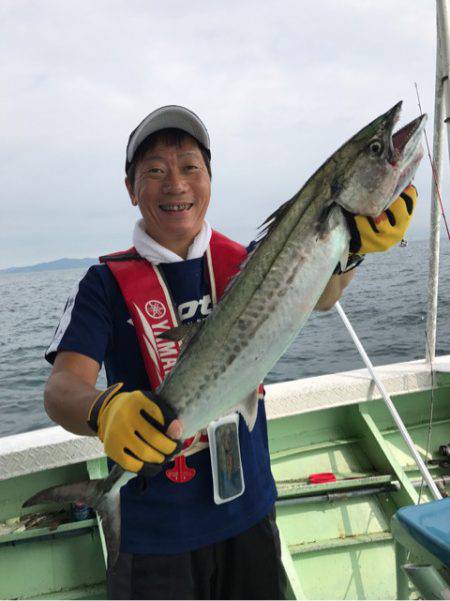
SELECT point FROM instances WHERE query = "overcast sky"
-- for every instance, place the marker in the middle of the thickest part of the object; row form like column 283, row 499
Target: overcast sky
column 279, row 85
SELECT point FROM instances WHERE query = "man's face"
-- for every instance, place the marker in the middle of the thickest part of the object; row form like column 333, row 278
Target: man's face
column 172, row 189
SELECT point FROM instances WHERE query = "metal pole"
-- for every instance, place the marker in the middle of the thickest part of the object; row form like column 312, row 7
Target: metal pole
column 391, row 407
column 435, row 216
column 427, row 581
column 443, row 25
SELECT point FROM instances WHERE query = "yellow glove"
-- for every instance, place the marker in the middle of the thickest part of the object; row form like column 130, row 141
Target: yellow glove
column 371, row 235
column 132, row 427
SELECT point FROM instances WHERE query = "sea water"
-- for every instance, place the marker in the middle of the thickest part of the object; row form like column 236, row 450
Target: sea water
column 386, row 303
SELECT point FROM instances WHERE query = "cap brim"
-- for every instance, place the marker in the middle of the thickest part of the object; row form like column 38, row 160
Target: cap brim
column 171, row 116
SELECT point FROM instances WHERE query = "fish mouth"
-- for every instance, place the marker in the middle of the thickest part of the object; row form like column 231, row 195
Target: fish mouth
column 408, row 152
column 401, row 137
column 176, row 207
column 405, row 141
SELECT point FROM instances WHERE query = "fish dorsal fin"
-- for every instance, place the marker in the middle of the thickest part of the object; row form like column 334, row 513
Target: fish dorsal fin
column 183, row 332
column 271, row 222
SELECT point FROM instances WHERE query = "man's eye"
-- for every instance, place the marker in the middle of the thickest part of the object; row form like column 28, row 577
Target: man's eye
column 191, row 167
column 154, row 170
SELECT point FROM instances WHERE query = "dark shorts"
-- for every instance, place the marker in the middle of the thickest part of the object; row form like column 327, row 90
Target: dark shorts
column 247, row 566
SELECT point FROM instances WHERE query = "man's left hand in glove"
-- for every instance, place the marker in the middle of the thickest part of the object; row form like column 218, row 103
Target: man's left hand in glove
column 370, row 235
column 377, row 234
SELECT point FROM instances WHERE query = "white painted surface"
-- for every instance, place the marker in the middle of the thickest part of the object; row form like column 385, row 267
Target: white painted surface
column 347, row 388
column 32, row 452
column 54, row 447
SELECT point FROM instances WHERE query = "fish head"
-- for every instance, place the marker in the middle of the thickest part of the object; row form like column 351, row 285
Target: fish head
column 376, row 165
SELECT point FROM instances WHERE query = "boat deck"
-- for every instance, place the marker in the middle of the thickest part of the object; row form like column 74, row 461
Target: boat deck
column 335, row 535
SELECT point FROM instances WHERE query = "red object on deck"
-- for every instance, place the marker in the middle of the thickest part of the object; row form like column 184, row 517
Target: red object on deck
column 321, row 477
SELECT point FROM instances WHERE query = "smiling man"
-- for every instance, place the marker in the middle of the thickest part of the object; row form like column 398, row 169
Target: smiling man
column 170, row 182
column 185, row 534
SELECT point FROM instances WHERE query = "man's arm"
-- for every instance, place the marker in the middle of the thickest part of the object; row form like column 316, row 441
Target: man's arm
column 334, row 290
column 127, row 436
column 70, row 391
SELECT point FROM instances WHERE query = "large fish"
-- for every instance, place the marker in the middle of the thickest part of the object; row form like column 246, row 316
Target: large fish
column 224, row 357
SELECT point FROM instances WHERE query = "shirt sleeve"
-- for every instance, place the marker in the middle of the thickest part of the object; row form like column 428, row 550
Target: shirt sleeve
column 86, row 323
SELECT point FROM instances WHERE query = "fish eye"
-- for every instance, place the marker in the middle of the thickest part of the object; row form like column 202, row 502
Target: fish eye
column 376, row 147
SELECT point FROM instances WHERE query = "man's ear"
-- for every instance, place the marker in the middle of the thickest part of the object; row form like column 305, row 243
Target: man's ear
column 131, row 192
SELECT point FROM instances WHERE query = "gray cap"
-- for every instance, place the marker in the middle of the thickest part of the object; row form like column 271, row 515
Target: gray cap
column 169, row 116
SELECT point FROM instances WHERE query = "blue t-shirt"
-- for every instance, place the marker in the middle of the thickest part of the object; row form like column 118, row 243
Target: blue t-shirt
column 161, row 516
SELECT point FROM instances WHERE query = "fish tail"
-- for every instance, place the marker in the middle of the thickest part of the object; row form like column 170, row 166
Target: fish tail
column 96, row 494
column 87, row 492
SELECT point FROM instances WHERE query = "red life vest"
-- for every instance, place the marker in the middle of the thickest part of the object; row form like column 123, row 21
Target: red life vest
column 152, row 309
column 150, row 304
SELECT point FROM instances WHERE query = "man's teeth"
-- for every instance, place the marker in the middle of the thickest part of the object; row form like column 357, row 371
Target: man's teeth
column 177, row 207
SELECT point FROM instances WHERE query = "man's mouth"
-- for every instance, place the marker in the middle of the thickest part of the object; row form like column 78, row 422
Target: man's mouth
column 175, row 207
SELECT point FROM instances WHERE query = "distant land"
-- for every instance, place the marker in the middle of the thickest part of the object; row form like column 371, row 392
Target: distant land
column 87, row 262
column 52, row 265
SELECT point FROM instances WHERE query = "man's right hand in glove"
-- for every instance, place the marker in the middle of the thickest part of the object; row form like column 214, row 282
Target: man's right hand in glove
column 132, row 427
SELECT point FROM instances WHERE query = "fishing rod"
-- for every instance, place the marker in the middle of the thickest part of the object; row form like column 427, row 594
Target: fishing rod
column 433, row 169
column 391, row 407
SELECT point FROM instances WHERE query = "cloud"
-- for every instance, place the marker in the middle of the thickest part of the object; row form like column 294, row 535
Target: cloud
column 280, row 87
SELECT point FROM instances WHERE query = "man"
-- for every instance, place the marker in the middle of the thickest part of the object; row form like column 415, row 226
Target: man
column 180, row 538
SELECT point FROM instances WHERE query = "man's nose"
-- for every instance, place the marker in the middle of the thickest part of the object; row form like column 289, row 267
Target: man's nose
column 174, row 183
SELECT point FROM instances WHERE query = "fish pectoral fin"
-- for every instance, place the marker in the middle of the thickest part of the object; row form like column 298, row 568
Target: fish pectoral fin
column 185, row 330
column 343, row 261
column 248, row 408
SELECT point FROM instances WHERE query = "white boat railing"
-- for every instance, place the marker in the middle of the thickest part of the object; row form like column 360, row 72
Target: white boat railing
column 48, row 448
